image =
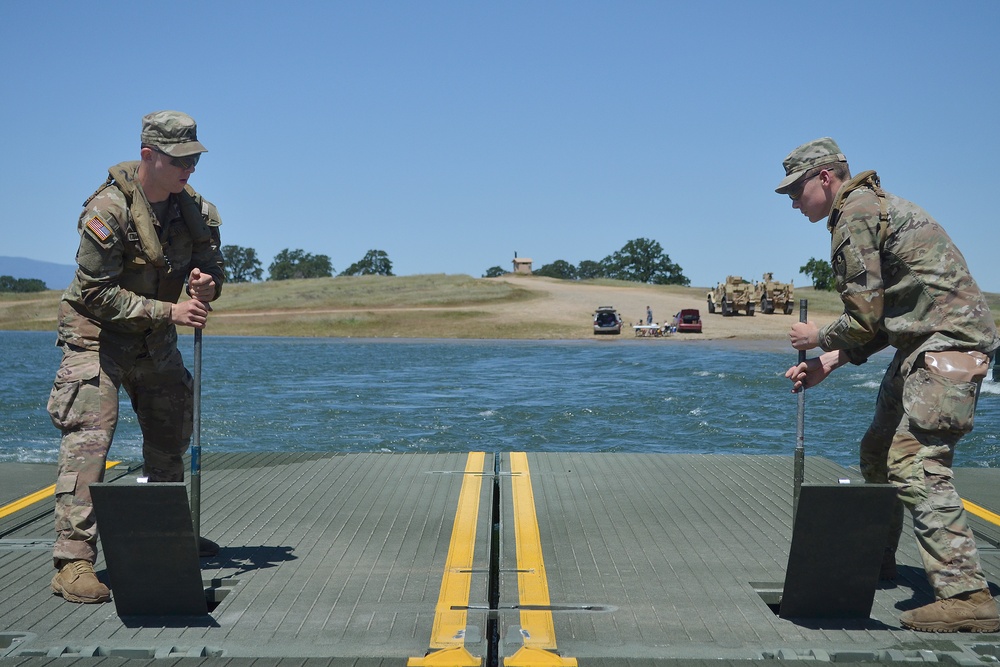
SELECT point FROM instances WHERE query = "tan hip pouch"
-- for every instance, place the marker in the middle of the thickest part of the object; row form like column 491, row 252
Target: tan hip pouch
column 958, row 366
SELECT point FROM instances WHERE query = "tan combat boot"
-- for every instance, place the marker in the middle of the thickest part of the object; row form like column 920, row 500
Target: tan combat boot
column 76, row 582
column 974, row 611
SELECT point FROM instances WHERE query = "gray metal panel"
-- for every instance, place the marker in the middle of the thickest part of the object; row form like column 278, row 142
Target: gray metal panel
column 331, row 556
column 150, row 549
column 663, row 551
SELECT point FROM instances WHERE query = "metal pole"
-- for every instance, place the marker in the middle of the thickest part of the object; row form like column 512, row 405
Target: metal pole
column 196, row 439
column 800, row 425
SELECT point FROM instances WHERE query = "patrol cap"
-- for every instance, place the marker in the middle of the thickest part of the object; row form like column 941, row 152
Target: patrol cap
column 172, row 132
column 807, row 156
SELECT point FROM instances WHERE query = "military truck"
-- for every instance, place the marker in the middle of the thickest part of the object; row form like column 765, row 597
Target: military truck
column 732, row 296
column 774, row 296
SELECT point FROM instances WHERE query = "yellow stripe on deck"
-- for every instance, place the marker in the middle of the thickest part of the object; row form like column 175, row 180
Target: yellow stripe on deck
column 33, row 498
column 451, row 617
column 537, row 627
column 981, row 512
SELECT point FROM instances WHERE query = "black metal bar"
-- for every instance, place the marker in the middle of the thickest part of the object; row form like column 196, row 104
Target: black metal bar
column 196, row 439
column 800, row 425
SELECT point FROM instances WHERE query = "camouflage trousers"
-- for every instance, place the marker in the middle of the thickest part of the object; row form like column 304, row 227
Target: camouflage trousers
column 83, row 404
column 911, row 444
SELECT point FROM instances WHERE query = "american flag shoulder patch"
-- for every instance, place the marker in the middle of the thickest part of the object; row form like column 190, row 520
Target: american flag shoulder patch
column 99, row 228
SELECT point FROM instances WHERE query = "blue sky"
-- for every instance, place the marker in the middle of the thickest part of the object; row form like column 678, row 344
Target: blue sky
column 454, row 134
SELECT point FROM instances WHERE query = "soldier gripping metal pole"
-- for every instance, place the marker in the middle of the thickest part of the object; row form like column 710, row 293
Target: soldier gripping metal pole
column 905, row 285
column 145, row 237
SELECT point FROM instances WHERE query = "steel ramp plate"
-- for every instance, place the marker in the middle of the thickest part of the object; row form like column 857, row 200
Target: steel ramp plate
column 150, row 549
column 837, row 544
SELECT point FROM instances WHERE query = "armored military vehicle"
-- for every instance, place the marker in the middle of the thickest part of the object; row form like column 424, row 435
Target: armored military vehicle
column 732, row 296
column 774, row 296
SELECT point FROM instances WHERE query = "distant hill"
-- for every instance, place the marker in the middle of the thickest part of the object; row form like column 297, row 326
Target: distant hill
column 55, row 276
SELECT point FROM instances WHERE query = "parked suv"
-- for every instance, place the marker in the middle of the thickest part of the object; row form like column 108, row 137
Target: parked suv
column 607, row 321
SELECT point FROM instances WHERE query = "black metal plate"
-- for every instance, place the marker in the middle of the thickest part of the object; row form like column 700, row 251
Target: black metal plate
column 837, row 544
column 150, row 549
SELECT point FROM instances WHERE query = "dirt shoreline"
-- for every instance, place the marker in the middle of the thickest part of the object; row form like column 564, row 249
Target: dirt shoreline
column 572, row 304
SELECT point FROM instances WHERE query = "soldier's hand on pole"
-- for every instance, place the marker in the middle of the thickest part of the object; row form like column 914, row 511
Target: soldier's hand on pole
column 804, row 336
column 191, row 313
column 201, row 286
column 811, row 372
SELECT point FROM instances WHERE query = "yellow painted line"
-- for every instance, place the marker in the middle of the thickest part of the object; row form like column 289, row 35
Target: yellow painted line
column 981, row 512
column 537, row 627
column 450, row 617
column 33, row 498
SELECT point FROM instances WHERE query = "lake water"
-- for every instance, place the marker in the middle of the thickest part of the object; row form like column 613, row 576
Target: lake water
column 624, row 395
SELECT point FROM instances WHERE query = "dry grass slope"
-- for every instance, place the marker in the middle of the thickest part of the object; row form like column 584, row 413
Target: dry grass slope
column 449, row 306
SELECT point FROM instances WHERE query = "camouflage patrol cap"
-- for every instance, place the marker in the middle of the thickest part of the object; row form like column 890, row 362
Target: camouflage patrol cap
column 172, row 132
column 807, row 156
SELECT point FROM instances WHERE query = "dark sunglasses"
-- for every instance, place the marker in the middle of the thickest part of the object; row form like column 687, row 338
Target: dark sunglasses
column 795, row 196
column 180, row 162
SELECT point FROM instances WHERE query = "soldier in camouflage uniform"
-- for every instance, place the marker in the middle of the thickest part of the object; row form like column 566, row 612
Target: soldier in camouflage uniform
column 145, row 235
column 904, row 284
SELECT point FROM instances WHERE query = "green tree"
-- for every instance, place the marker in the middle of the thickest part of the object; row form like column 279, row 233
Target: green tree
column 558, row 269
column 242, row 265
column 820, row 272
column 643, row 261
column 494, row 272
column 374, row 263
column 289, row 264
column 21, row 285
column 589, row 269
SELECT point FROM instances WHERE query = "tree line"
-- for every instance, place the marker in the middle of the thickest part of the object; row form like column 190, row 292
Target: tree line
column 21, row 285
column 640, row 260
column 643, row 261
column 243, row 266
column 820, row 272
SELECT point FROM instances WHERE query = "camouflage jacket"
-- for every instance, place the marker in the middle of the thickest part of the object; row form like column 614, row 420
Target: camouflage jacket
column 903, row 281
column 131, row 267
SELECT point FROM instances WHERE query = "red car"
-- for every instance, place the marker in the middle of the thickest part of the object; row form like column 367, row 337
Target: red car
column 688, row 321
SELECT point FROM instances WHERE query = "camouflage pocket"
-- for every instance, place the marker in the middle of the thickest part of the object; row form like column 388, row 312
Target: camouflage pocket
column 934, row 402
column 66, row 483
column 76, row 369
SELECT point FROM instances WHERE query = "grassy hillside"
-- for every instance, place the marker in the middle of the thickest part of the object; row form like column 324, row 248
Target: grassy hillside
column 410, row 306
column 423, row 306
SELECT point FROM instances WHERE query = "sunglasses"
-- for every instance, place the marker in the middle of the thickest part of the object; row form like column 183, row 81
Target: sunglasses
column 187, row 162
column 795, row 196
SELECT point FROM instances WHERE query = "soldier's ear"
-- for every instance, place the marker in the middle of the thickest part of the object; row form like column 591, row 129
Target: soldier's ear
column 146, row 154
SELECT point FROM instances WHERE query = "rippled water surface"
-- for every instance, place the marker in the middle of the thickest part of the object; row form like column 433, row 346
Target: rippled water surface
column 673, row 395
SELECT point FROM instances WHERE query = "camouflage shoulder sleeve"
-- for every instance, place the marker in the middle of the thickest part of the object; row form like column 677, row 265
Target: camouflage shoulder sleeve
column 857, row 268
column 101, row 263
column 100, row 228
column 208, row 255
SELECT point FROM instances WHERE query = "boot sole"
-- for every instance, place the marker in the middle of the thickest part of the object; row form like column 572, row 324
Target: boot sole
column 958, row 626
column 69, row 597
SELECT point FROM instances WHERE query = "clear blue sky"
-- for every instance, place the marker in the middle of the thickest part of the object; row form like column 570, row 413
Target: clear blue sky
column 454, row 134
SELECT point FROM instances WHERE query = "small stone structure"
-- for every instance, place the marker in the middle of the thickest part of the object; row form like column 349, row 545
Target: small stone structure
column 522, row 265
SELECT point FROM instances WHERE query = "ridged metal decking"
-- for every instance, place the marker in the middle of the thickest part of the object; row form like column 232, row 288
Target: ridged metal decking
column 340, row 559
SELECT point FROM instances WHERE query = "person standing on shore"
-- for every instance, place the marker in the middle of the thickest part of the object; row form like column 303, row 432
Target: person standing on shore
column 145, row 236
column 904, row 284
